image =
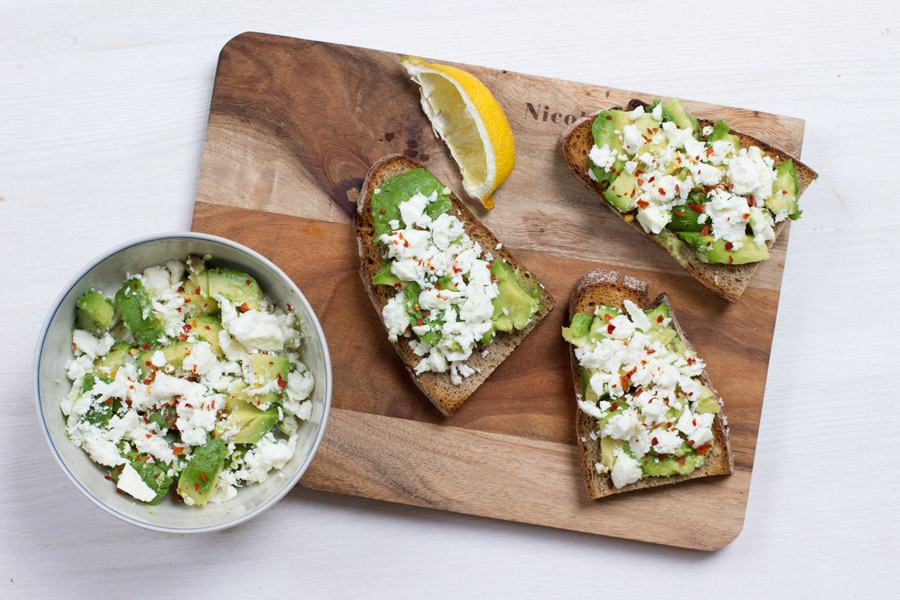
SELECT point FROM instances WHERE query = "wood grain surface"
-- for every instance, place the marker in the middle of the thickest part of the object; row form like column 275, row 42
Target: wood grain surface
column 294, row 126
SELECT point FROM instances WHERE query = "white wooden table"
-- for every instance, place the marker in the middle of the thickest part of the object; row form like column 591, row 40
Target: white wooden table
column 102, row 116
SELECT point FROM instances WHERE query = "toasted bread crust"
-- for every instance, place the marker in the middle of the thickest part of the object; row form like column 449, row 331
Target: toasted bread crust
column 729, row 281
column 612, row 289
column 437, row 387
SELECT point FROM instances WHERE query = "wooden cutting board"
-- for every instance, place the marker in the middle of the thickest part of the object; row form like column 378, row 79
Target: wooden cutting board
column 293, row 127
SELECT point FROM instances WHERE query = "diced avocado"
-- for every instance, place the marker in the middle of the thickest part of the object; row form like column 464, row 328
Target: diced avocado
column 720, row 132
column 269, row 367
column 109, row 364
column 604, row 129
column 622, row 193
column 164, row 417
column 400, row 188
column 707, row 403
column 99, row 415
column 608, row 447
column 237, row 286
column 513, row 302
column 784, row 191
column 384, row 276
column 174, row 353
column 712, row 250
column 134, row 304
column 207, row 329
column 200, row 476
column 657, row 315
column 671, row 465
column 600, row 324
column 685, row 218
column 94, row 312
column 577, row 333
column 245, row 423
column 446, row 283
column 155, row 476
column 674, row 111
column 647, row 125
column 197, row 300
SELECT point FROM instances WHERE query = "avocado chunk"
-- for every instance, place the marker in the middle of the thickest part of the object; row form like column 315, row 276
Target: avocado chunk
column 720, row 132
column 600, row 325
column 400, row 188
column 712, row 250
column 109, row 364
column 577, row 332
column 237, row 286
column 671, row 465
column 207, row 329
column 385, row 276
column 674, row 112
column 197, row 300
column 245, row 423
column 134, row 304
column 784, row 191
column 604, row 129
column 608, row 447
column 200, row 476
column 622, row 193
column 267, row 368
column 685, row 218
column 513, row 306
column 99, row 415
column 174, row 353
column 94, row 312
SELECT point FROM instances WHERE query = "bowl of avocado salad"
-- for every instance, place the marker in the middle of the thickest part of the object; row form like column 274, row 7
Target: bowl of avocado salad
column 655, row 415
column 660, row 166
column 183, row 382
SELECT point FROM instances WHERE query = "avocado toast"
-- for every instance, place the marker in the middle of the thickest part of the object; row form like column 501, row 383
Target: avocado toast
column 455, row 302
column 648, row 414
column 692, row 186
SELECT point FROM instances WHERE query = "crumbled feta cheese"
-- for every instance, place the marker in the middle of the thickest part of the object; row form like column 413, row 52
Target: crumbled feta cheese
column 625, row 470
column 603, row 157
column 657, row 112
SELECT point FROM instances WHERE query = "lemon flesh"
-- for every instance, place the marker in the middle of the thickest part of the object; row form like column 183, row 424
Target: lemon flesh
column 465, row 114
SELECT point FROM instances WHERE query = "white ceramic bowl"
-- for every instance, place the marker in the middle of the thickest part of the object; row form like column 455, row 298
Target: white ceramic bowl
column 106, row 273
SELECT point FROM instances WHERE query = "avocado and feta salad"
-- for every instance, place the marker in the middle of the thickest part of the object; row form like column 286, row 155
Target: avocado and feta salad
column 654, row 415
column 452, row 296
column 661, row 167
column 189, row 378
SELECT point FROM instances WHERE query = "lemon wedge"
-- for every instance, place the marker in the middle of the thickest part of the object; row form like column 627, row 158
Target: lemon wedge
column 465, row 114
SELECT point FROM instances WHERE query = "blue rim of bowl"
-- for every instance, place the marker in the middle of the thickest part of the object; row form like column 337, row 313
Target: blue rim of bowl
column 209, row 238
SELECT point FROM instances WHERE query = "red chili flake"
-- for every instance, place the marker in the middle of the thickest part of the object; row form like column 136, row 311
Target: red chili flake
column 745, row 215
column 640, row 182
column 660, row 319
column 705, row 230
column 783, row 192
column 729, row 245
column 614, row 406
column 709, row 151
column 381, row 211
column 472, row 230
column 182, row 337
column 730, row 259
column 148, row 363
column 654, row 442
column 146, row 347
column 703, row 449
column 416, row 308
column 610, row 328
column 419, row 322
column 643, row 203
column 651, row 179
column 608, row 118
column 751, row 202
column 661, row 191
column 135, row 286
column 203, row 477
column 148, row 381
column 437, row 286
column 681, row 460
column 245, row 307
column 691, row 361
column 281, row 382
column 196, row 487
column 691, row 442
column 397, row 286
column 608, row 317
column 678, row 212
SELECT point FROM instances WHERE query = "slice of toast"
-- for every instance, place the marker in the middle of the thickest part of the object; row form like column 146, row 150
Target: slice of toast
column 729, row 281
column 597, row 288
column 437, row 387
